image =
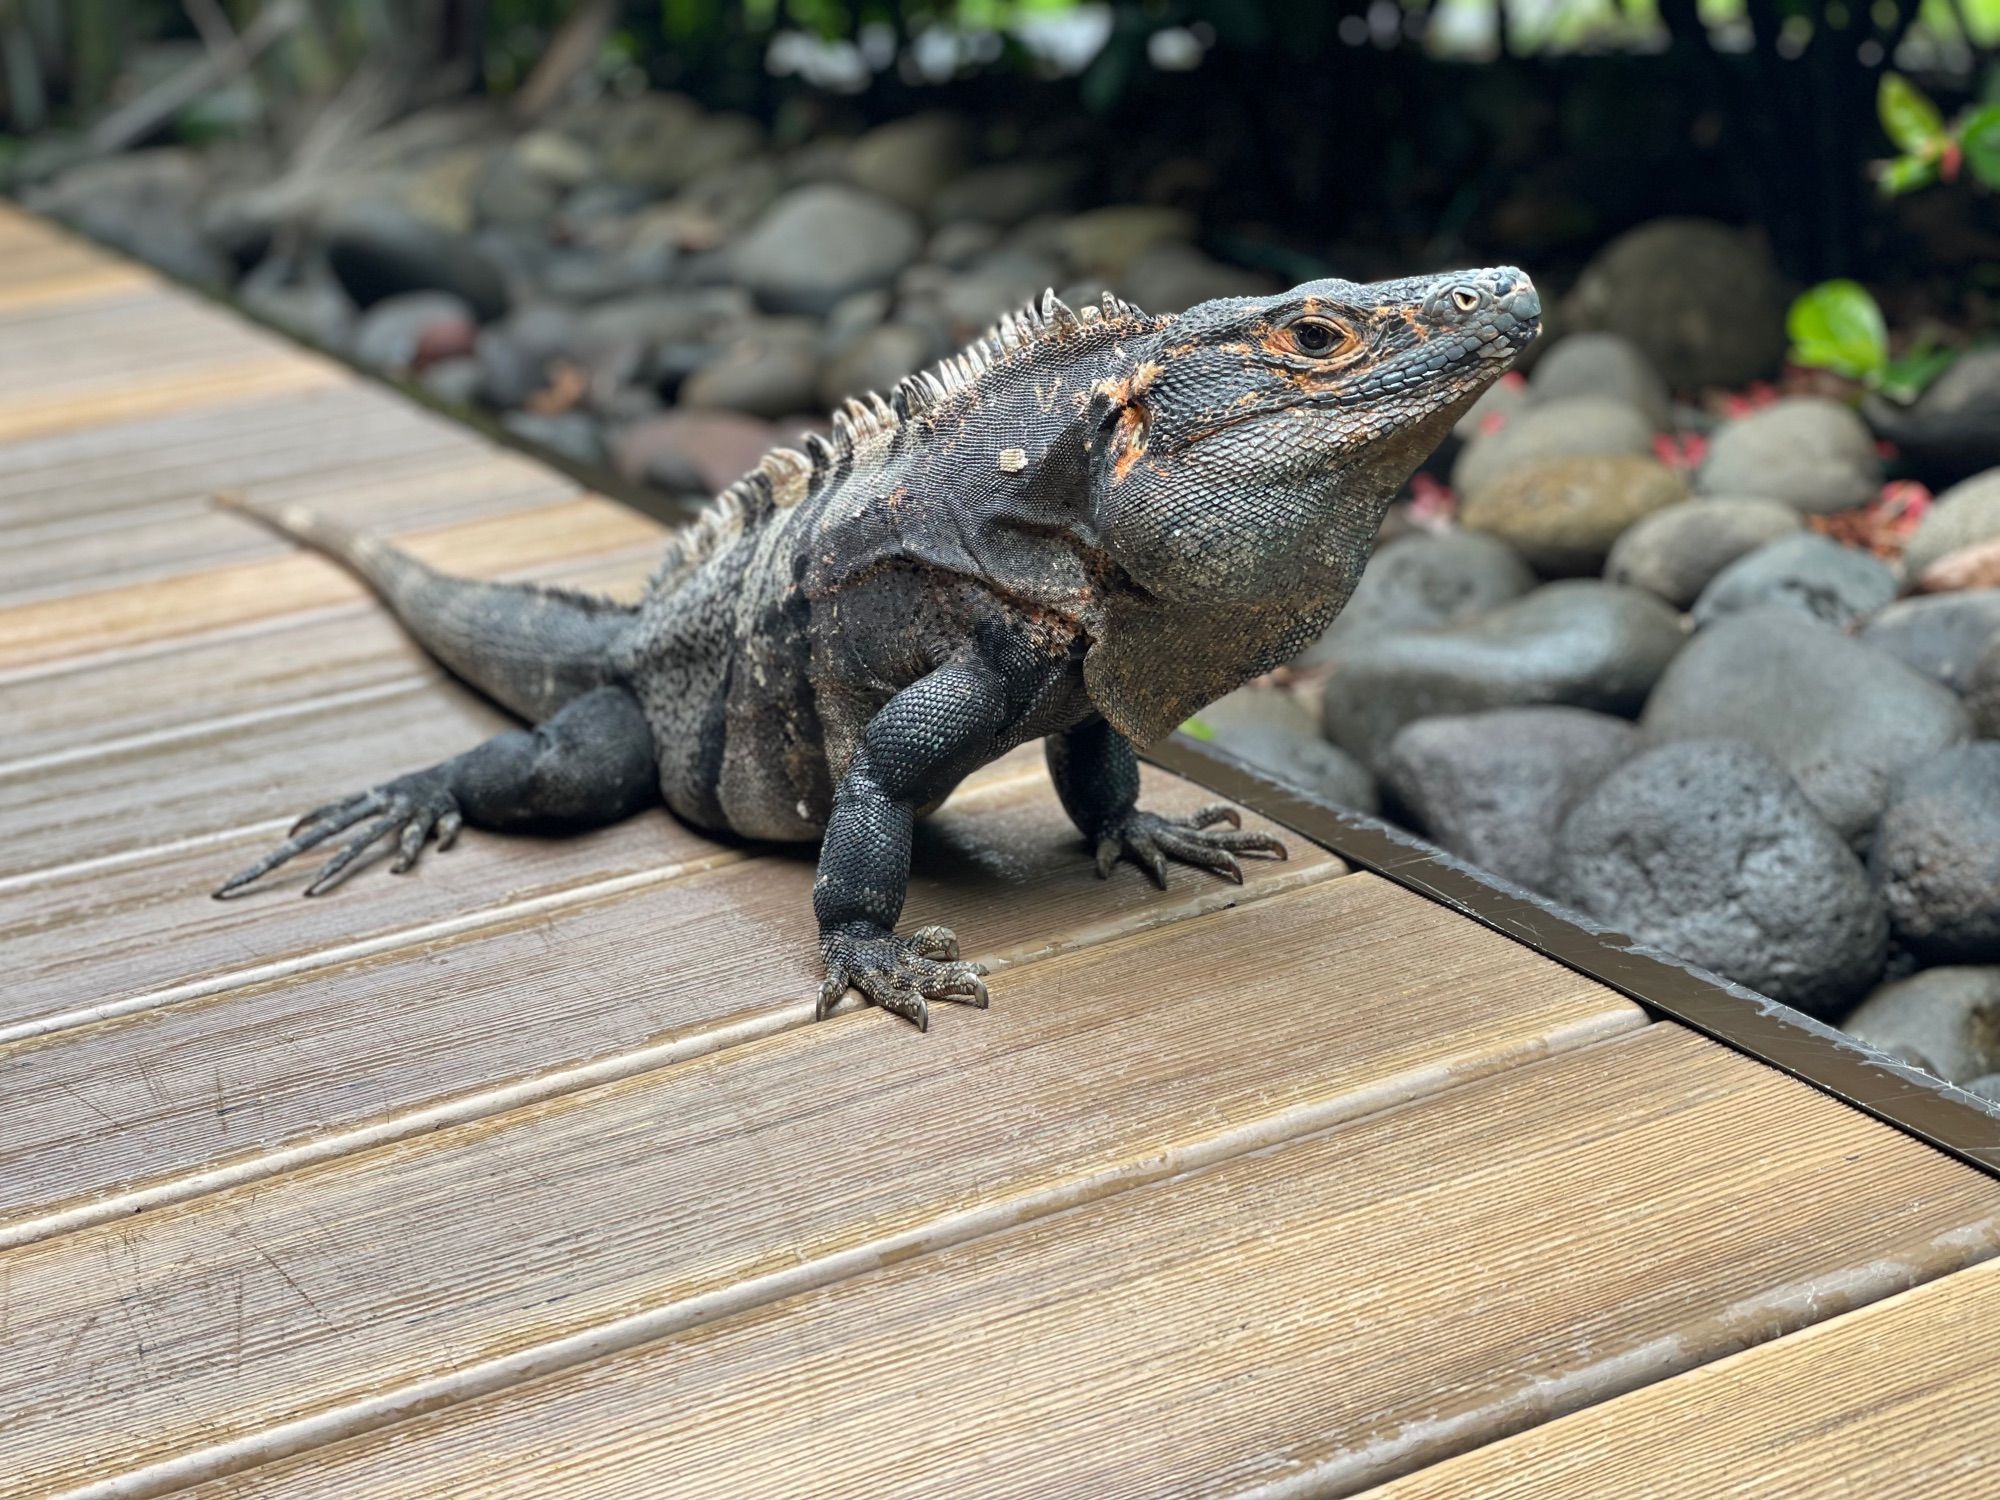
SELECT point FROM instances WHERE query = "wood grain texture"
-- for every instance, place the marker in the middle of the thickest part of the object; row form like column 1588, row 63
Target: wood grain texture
column 136, row 395
column 1899, row 1401
column 217, row 598
column 93, row 478
column 399, row 491
column 766, row 1166
column 1300, row 1321
column 72, row 284
column 289, row 664
column 530, row 958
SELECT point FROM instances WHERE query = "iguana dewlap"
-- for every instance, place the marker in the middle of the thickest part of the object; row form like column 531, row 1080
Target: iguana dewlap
column 1083, row 529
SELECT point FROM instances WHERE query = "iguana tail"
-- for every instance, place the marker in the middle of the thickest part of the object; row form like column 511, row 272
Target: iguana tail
column 529, row 647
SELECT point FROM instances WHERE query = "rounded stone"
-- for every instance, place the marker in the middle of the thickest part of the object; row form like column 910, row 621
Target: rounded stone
column 378, row 250
column 1494, row 787
column 1937, row 857
column 1106, row 241
column 1982, row 693
column 1585, row 644
column 822, row 242
column 692, row 451
column 769, row 370
column 1943, row 636
column 1575, row 427
column 1677, row 550
column 1953, row 429
column 1422, row 581
column 1708, row 850
column 1274, row 731
column 1602, row 364
column 1845, row 720
column 1564, row 515
column 1703, row 301
column 1808, row 573
column 908, row 161
column 1814, row 454
column 414, row 330
column 1947, row 1019
column 1964, row 516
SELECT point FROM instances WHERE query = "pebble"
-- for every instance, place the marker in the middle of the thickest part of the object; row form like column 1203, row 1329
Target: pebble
column 1424, row 580
column 1582, row 643
column 1574, row 427
column 1814, row 454
column 1943, row 635
column 1708, row 850
column 1937, row 857
column 1963, row 516
column 820, row 243
column 1946, row 1020
column 1602, row 364
column 1677, row 550
column 1565, row 515
column 1847, row 721
column 1494, row 787
column 1811, row 574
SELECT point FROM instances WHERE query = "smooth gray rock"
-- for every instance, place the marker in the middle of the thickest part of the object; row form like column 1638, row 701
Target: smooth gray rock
column 379, row 250
column 1494, row 787
column 1704, row 301
column 820, row 243
column 1675, row 552
column 573, row 435
column 1709, row 850
column 1008, row 193
column 1497, row 405
column 1982, row 693
column 1814, row 454
column 1947, row 1020
column 909, row 161
column 1422, row 581
column 875, row 361
column 1564, row 514
column 1964, row 515
column 413, row 330
column 770, row 370
column 304, row 300
column 1271, row 728
column 1942, row 635
column 1585, row 644
column 1602, row 364
column 1811, row 574
column 1106, row 241
column 1937, row 857
column 692, row 451
column 1173, row 276
column 1575, row 427
column 1845, row 720
column 1953, row 429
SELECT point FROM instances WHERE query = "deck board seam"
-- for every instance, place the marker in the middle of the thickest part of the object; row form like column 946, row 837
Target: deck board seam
column 484, row 1103
column 946, row 1231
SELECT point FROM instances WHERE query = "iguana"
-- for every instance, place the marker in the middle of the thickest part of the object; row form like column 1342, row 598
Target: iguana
column 1084, row 528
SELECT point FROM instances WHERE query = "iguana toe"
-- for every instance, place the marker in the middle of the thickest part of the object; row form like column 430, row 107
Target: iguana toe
column 901, row 975
column 1149, row 841
column 410, row 810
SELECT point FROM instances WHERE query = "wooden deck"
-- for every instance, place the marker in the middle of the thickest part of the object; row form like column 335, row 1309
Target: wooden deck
column 529, row 1174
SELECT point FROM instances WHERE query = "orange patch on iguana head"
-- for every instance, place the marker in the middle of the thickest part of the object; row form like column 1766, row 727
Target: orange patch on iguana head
column 1128, row 441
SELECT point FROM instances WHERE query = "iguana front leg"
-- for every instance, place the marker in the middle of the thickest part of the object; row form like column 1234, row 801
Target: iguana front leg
column 914, row 750
column 591, row 763
column 1097, row 776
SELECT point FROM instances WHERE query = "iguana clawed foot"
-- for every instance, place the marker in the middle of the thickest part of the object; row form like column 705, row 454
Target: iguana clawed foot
column 902, row 975
column 409, row 809
column 1149, row 841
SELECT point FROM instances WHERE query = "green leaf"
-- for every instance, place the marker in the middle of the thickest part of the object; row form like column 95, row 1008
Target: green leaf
column 1979, row 134
column 1905, row 174
column 1195, row 729
column 1911, row 120
column 1838, row 326
column 1904, row 379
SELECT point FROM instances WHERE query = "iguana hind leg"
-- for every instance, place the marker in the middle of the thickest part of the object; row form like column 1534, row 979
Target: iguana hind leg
column 591, row 763
column 1097, row 777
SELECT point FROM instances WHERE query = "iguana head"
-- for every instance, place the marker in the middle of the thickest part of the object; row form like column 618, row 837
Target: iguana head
column 1248, row 448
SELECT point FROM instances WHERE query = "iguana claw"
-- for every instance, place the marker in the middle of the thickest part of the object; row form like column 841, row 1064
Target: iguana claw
column 902, row 975
column 411, row 809
column 1149, row 841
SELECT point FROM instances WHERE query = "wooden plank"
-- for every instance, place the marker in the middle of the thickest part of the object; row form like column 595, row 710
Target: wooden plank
column 287, row 665
column 790, row 1161
column 88, row 283
column 190, row 604
column 146, row 395
column 516, row 969
column 1299, row 1321
column 393, row 492
column 97, row 476
column 1901, row 1399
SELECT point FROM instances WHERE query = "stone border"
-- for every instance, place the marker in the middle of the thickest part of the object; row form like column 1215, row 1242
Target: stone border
column 1904, row 1097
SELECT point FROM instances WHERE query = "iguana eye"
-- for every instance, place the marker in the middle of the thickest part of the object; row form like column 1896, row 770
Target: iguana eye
column 1319, row 338
column 1464, row 298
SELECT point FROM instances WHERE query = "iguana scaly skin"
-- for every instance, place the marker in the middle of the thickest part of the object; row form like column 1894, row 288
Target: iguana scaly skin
column 1085, row 528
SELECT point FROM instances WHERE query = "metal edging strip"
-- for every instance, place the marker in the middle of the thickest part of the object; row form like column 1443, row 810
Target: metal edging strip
column 1829, row 1060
